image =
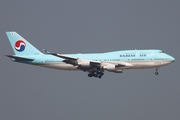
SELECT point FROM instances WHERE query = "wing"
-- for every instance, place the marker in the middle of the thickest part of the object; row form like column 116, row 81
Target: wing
column 82, row 64
column 64, row 56
column 90, row 65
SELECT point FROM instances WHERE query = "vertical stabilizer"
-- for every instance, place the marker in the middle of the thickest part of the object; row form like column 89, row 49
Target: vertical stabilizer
column 20, row 46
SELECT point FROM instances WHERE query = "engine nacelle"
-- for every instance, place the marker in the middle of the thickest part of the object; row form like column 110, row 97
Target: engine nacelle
column 83, row 63
column 112, row 68
column 118, row 71
column 109, row 67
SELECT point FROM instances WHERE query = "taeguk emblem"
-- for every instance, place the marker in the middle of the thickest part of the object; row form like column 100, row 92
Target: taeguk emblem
column 20, row 45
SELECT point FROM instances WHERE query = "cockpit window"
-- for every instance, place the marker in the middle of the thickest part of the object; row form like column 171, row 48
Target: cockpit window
column 161, row 52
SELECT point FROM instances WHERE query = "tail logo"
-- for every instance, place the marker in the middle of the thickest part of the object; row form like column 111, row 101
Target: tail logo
column 20, row 45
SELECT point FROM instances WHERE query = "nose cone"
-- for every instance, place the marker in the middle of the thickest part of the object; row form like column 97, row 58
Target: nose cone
column 172, row 58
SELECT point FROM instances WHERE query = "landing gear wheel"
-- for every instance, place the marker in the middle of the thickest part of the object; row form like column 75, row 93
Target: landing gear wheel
column 156, row 73
column 99, row 76
column 89, row 75
column 95, row 75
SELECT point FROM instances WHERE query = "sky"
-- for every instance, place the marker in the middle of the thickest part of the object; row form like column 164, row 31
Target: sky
column 81, row 26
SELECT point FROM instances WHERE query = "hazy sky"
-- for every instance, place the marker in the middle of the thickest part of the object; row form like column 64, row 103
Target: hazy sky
column 79, row 26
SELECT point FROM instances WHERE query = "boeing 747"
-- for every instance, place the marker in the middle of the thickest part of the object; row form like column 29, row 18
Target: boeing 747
column 93, row 63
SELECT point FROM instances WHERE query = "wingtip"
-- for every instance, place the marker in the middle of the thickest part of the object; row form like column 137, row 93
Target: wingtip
column 45, row 51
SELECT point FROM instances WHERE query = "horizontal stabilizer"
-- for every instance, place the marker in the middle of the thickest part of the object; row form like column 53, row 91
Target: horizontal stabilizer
column 20, row 58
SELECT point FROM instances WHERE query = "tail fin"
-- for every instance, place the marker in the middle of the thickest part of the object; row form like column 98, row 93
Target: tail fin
column 20, row 46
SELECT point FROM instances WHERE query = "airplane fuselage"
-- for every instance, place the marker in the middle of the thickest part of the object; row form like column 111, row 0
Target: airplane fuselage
column 137, row 59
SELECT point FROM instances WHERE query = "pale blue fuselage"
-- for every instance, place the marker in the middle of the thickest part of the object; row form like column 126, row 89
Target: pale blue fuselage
column 140, row 59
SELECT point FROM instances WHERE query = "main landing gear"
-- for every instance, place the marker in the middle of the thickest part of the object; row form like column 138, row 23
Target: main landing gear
column 98, row 74
column 156, row 73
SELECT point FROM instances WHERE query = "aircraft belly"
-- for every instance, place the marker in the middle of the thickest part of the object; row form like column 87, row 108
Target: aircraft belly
column 60, row 66
column 148, row 64
column 140, row 65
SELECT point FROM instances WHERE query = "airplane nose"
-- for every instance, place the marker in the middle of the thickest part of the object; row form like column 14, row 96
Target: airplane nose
column 172, row 59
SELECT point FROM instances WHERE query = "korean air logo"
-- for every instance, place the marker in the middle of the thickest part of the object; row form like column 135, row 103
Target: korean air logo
column 20, row 45
column 128, row 55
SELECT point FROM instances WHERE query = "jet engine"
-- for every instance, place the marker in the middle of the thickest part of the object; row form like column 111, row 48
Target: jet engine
column 109, row 67
column 83, row 63
column 112, row 68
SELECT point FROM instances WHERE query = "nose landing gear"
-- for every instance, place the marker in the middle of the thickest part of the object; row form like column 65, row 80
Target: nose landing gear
column 156, row 73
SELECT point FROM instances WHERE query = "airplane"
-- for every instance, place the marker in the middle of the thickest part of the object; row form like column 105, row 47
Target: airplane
column 93, row 63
